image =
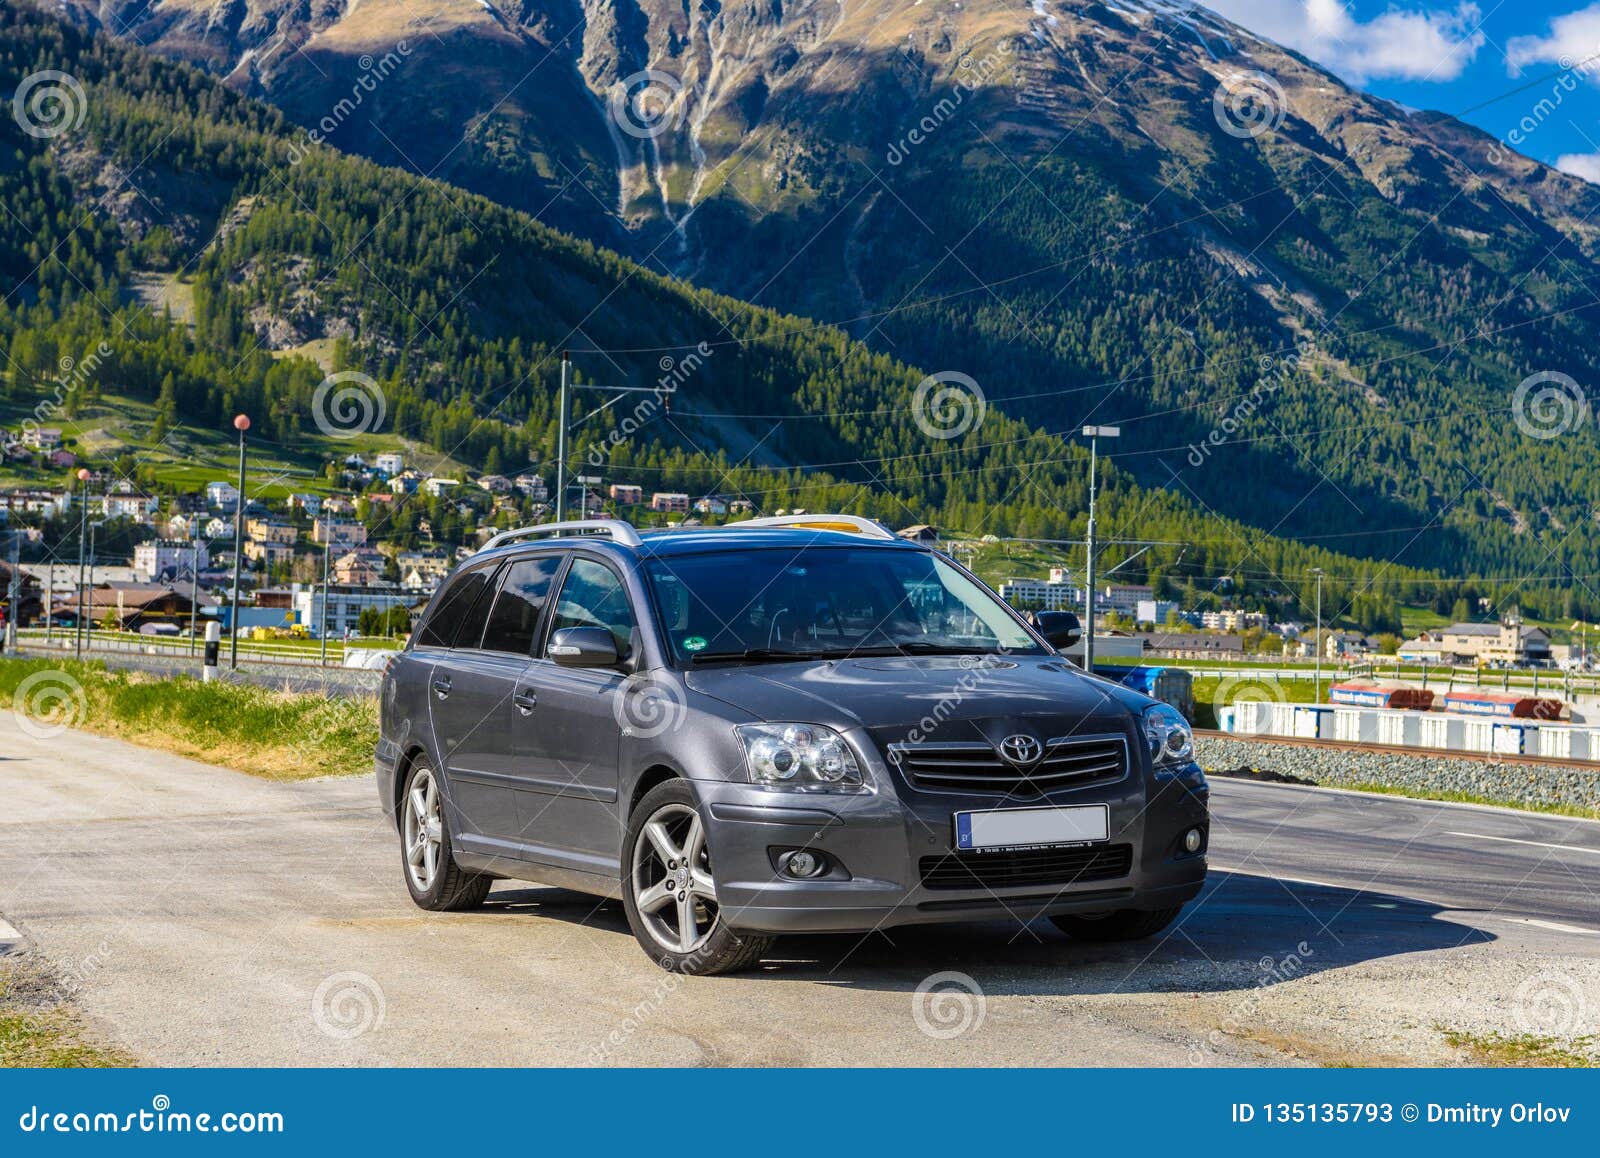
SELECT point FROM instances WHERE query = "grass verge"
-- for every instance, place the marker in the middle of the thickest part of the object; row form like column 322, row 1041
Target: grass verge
column 272, row 734
column 1525, row 1049
column 39, row 1030
column 1451, row 797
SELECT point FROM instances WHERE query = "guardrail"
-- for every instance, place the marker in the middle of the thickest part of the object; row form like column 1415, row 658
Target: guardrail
column 308, row 654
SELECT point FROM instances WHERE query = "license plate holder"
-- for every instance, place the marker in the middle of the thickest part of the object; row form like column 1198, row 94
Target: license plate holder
column 990, row 830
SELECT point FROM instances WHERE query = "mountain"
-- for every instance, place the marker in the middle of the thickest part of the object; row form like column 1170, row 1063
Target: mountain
column 1307, row 308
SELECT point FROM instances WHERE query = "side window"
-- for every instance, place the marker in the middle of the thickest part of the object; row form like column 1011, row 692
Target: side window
column 453, row 623
column 593, row 596
column 524, row 588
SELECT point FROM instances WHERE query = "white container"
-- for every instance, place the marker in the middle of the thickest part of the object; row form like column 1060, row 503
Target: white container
column 1312, row 722
column 1477, row 735
column 1400, row 728
column 1514, row 739
column 1440, row 731
column 1249, row 718
column 1281, row 719
column 1355, row 725
column 1562, row 743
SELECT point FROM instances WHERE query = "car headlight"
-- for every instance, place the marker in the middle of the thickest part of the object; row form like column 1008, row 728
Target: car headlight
column 799, row 757
column 1169, row 735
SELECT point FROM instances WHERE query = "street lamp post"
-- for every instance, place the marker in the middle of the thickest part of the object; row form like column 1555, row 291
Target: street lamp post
column 565, row 421
column 194, row 580
column 83, row 543
column 1317, row 696
column 1093, row 434
column 241, row 423
column 322, row 627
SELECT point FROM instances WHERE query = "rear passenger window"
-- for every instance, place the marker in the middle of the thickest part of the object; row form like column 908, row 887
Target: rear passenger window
column 453, row 623
column 523, row 590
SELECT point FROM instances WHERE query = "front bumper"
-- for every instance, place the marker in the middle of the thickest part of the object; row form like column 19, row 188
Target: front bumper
column 879, row 842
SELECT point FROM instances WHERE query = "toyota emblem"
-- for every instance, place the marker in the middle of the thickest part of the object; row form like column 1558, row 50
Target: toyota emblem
column 1021, row 750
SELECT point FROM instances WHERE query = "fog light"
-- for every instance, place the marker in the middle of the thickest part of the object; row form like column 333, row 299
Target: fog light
column 802, row 864
column 1191, row 840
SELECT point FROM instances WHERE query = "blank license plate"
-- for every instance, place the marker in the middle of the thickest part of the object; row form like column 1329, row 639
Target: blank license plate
column 1032, row 827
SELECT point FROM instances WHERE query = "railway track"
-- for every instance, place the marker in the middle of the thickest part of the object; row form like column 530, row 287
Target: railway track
column 1393, row 749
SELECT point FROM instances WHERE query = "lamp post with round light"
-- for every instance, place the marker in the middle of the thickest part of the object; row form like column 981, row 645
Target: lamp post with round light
column 241, row 423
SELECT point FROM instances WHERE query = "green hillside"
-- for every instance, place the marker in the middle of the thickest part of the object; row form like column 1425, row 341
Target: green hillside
column 456, row 307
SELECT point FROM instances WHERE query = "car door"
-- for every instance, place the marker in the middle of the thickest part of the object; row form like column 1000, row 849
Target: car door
column 468, row 690
column 569, row 745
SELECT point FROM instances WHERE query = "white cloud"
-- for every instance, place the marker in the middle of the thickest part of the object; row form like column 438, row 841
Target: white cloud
column 1585, row 165
column 1407, row 43
column 1573, row 38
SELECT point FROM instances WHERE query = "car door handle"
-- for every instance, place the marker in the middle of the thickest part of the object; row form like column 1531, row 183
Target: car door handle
column 441, row 688
column 526, row 700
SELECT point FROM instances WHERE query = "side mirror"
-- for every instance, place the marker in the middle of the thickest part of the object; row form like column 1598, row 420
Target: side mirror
column 584, row 647
column 1060, row 628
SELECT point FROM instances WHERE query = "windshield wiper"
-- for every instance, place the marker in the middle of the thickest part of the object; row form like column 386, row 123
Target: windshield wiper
column 911, row 648
column 753, row 655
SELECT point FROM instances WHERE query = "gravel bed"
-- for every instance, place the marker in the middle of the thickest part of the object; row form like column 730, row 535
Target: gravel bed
column 1516, row 784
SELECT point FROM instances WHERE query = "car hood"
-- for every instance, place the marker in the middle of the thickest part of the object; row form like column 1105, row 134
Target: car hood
column 959, row 695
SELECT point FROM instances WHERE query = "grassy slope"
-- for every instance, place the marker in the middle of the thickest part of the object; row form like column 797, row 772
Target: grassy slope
column 275, row 735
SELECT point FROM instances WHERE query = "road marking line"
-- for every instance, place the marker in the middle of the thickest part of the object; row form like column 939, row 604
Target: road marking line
column 1534, row 843
column 10, row 938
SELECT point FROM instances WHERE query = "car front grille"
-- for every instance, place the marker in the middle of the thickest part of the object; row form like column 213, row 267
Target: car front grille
column 1025, row 868
column 977, row 767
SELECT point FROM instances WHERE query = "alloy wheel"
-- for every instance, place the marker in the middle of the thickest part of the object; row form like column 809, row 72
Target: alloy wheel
column 672, row 884
column 424, row 830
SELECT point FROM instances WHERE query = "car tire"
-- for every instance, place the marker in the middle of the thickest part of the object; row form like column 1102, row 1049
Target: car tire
column 1121, row 925
column 666, row 836
column 428, row 864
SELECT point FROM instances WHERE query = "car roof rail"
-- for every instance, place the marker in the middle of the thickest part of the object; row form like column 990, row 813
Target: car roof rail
column 619, row 531
column 848, row 524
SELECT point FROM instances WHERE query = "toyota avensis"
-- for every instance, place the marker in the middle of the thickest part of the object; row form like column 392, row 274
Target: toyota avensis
column 779, row 726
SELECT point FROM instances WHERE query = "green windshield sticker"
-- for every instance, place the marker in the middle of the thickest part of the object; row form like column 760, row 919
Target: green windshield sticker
column 694, row 643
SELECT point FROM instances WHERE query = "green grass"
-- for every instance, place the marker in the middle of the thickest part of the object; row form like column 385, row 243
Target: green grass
column 1452, row 797
column 1208, row 690
column 190, row 457
column 273, row 734
column 1525, row 1049
column 44, row 1034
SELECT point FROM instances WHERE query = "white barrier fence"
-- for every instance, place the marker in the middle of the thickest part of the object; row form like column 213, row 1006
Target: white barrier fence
column 1407, row 729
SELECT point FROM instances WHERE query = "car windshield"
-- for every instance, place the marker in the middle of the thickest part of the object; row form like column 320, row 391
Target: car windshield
column 823, row 602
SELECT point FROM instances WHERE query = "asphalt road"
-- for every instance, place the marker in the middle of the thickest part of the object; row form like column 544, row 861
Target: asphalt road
column 199, row 916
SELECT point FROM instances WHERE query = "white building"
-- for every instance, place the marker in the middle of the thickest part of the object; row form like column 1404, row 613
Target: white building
column 166, row 559
column 1124, row 597
column 343, row 604
column 438, row 486
column 1042, row 594
column 389, row 463
column 222, row 495
column 1154, row 610
column 139, row 508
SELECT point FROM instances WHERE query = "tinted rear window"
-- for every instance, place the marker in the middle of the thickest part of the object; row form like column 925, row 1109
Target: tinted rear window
column 458, row 620
column 524, row 588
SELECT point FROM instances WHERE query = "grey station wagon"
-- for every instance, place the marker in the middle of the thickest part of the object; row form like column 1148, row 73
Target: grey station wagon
column 779, row 726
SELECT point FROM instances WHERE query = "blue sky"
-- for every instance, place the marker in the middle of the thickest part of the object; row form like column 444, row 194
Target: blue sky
column 1455, row 56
